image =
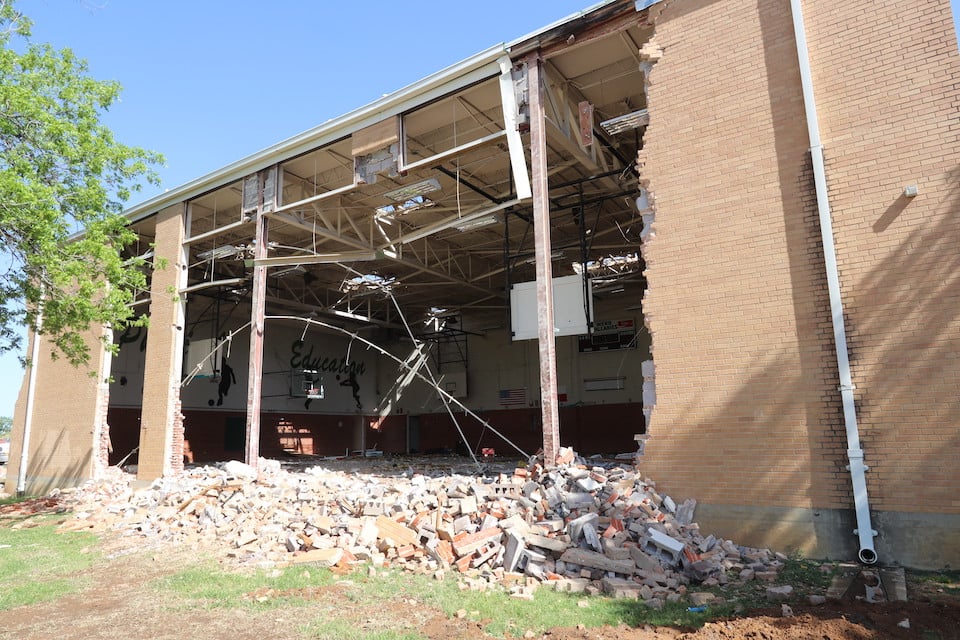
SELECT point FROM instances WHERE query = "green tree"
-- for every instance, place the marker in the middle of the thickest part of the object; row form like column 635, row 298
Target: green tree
column 62, row 171
column 6, row 426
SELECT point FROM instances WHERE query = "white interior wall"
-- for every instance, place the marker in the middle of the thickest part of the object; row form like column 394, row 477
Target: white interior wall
column 496, row 363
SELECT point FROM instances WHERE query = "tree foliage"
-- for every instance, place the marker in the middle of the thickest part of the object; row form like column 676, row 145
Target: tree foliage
column 62, row 171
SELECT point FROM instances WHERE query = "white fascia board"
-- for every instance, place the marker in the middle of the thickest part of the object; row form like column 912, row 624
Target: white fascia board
column 478, row 67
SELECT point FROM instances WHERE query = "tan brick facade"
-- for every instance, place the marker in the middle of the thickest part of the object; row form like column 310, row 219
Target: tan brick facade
column 161, row 383
column 748, row 411
column 889, row 94
column 69, row 416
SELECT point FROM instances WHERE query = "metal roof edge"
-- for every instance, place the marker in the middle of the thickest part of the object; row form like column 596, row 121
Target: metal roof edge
column 562, row 21
column 646, row 4
column 341, row 126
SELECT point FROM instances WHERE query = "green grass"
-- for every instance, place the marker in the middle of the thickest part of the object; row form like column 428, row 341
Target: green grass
column 346, row 611
column 348, row 630
column 37, row 563
column 806, row 576
column 500, row 614
column 208, row 586
column 949, row 581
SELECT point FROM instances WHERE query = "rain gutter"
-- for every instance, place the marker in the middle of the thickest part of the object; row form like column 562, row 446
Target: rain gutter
column 864, row 530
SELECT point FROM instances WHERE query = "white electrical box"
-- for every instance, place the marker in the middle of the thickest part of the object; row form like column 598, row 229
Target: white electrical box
column 570, row 299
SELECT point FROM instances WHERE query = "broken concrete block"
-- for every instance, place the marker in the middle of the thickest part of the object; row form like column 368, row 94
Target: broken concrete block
column 514, row 548
column 658, row 543
column 612, row 551
column 620, row 588
column 700, row 570
column 591, row 538
column 702, row 598
column 594, row 560
column 388, row 529
column 575, row 526
column 685, row 511
column 558, row 545
column 320, row 557
column 466, row 543
column 779, row 593
column 468, row 505
column 579, row 500
column 588, row 484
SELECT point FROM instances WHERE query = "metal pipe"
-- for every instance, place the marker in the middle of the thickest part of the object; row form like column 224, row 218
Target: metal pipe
column 207, row 285
column 864, row 530
column 31, row 395
column 216, row 232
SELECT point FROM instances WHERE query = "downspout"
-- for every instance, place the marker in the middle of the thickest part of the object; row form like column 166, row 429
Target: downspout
column 31, row 394
column 864, row 530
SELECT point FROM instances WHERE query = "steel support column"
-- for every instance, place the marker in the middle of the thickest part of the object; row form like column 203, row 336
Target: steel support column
column 541, row 228
column 255, row 367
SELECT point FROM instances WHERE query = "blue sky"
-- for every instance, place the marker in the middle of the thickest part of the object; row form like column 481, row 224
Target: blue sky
column 207, row 82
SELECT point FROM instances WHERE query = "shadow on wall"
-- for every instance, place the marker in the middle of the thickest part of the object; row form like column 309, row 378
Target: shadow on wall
column 70, row 476
column 903, row 325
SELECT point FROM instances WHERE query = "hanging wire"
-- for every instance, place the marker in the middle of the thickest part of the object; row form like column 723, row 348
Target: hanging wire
column 433, row 381
column 447, row 397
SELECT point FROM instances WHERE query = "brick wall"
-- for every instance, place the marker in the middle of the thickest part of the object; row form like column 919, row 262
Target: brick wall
column 589, row 429
column 748, row 411
column 746, row 404
column 67, row 421
column 161, row 388
column 887, row 77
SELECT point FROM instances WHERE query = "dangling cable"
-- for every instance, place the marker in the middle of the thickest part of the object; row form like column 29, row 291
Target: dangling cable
column 433, row 381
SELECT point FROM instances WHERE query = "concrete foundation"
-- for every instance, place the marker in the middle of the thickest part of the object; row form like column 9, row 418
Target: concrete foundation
column 916, row 540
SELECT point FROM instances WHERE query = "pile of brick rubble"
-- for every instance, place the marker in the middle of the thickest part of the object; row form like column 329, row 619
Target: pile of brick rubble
column 574, row 527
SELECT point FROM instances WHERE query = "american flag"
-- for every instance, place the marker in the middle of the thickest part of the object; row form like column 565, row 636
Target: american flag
column 513, row 396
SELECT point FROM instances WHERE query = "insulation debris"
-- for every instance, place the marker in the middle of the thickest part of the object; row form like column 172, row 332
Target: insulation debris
column 578, row 527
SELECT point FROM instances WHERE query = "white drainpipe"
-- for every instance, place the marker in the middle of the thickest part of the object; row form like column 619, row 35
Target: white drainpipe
column 864, row 530
column 28, row 418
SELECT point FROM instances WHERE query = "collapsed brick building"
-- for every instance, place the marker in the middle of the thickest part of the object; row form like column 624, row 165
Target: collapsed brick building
column 747, row 212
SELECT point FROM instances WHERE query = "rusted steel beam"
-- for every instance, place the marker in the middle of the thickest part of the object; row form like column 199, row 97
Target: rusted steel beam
column 541, row 229
column 255, row 368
